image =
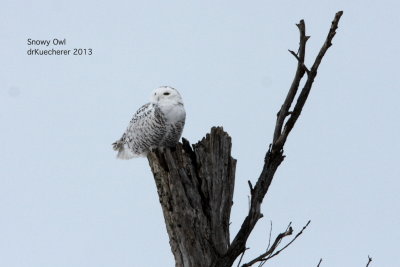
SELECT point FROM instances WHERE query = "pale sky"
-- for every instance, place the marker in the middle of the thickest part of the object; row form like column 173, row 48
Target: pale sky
column 66, row 201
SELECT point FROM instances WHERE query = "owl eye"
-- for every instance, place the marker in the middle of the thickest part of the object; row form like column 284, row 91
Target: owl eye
column 166, row 93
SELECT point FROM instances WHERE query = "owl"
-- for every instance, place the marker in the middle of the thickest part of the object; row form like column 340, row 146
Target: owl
column 156, row 124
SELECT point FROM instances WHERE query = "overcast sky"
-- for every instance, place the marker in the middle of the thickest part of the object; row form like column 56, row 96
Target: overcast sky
column 66, row 201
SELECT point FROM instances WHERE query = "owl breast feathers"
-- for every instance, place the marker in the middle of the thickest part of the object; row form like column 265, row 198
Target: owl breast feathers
column 156, row 124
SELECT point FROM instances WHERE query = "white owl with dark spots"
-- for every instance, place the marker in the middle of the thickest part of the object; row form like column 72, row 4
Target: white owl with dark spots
column 156, row 124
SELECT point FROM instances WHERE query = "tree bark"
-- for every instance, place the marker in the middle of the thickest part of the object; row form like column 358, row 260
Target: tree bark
column 195, row 187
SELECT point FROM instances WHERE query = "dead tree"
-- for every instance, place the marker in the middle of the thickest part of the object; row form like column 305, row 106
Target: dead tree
column 195, row 183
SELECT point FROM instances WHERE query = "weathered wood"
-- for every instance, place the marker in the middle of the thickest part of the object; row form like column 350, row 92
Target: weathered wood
column 195, row 187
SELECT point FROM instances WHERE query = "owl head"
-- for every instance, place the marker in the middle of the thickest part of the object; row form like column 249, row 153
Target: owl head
column 166, row 94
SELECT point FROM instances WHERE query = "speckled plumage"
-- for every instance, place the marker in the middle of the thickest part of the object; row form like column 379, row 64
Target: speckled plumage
column 156, row 124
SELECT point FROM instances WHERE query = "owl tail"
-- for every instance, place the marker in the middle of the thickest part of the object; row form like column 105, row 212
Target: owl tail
column 118, row 145
column 123, row 151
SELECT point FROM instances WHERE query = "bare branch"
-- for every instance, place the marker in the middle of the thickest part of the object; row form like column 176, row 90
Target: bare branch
column 295, row 84
column 369, row 261
column 270, row 253
column 288, row 244
column 301, row 100
column 274, row 155
column 278, row 239
column 319, row 263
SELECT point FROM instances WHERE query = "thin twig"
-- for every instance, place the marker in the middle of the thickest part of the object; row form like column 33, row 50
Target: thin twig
column 251, row 187
column 369, row 261
column 298, row 59
column 241, row 257
column 288, row 244
column 270, row 253
column 262, row 263
column 319, row 263
column 271, row 250
column 269, row 238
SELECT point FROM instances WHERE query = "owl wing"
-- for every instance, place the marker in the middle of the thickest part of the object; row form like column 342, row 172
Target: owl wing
column 144, row 132
column 174, row 133
column 179, row 128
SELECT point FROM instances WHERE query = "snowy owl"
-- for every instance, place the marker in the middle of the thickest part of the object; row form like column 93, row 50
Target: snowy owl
column 156, row 124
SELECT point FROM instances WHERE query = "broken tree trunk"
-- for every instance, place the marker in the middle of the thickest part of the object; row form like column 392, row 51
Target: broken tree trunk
column 195, row 187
